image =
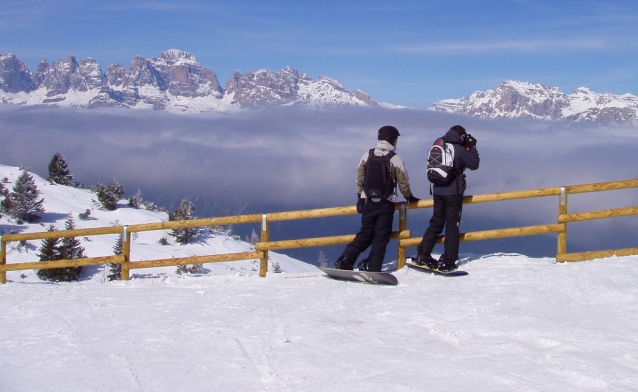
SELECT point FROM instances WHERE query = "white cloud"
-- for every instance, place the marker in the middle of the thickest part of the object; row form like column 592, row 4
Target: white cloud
column 520, row 46
column 293, row 158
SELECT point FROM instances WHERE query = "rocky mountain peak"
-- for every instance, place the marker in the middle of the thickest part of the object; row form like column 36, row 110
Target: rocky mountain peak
column 175, row 56
column 516, row 99
column 14, row 75
column 73, row 63
column 263, row 86
column 174, row 81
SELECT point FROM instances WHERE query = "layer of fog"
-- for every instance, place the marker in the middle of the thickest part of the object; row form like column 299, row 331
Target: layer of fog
column 291, row 158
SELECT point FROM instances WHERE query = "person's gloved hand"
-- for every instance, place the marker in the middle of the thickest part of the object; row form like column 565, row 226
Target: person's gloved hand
column 470, row 141
column 412, row 199
column 360, row 202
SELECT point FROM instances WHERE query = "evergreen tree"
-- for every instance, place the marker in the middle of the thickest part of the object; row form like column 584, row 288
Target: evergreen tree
column 70, row 248
column 116, row 268
column 189, row 269
column 109, row 195
column 3, row 191
column 49, row 250
column 22, row 203
column 60, row 249
column 322, row 260
column 184, row 211
column 254, row 237
column 136, row 200
column 58, row 171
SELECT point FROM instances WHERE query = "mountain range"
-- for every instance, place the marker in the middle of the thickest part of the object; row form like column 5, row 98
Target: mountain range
column 515, row 99
column 177, row 82
column 174, row 82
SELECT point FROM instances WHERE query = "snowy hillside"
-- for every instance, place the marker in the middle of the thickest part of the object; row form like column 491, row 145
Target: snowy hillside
column 60, row 201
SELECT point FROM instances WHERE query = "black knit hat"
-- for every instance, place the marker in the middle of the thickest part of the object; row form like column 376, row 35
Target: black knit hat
column 388, row 132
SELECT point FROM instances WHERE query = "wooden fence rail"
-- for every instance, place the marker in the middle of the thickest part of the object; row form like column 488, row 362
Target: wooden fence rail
column 403, row 236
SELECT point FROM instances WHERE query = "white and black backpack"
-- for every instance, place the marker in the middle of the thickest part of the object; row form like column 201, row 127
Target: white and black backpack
column 441, row 163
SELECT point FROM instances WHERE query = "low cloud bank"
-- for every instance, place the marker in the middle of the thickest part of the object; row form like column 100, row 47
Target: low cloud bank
column 294, row 158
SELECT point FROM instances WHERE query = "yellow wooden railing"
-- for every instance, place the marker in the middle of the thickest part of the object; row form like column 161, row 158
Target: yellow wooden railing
column 402, row 235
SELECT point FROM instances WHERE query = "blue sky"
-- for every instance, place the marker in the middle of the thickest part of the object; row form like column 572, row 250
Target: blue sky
column 411, row 53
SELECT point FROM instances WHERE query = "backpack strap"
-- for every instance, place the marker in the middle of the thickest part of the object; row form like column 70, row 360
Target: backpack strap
column 390, row 155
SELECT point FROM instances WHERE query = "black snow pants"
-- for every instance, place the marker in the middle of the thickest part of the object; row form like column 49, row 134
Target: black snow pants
column 446, row 212
column 376, row 227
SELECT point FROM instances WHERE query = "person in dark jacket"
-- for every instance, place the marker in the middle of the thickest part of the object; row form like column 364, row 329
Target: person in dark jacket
column 377, row 215
column 448, row 203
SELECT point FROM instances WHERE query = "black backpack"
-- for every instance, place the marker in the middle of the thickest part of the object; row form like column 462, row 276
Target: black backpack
column 378, row 179
column 441, row 163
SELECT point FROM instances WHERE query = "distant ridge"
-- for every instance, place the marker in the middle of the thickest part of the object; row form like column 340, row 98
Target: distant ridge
column 174, row 82
column 515, row 99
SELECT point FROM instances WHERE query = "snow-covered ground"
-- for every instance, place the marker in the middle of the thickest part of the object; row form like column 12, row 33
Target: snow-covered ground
column 513, row 324
column 62, row 201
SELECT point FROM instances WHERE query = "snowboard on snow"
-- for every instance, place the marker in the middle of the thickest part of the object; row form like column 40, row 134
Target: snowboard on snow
column 361, row 276
column 410, row 263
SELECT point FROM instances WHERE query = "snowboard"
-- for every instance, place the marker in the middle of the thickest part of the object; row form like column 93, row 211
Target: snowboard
column 362, row 276
column 435, row 271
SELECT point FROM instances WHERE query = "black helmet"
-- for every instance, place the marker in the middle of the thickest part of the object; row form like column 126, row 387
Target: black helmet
column 388, row 132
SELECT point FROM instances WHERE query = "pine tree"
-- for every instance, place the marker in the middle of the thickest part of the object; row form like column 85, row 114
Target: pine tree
column 323, row 260
column 116, row 268
column 70, row 248
column 58, row 171
column 23, row 202
column 109, row 195
column 254, row 237
column 189, row 269
column 136, row 200
column 184, row 211
column 49, row 250
column 61, row 249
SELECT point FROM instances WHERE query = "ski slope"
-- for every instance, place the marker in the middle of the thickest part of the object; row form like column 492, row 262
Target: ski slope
column 514, row 323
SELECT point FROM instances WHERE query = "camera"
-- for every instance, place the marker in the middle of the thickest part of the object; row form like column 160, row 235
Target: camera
column 470, row 141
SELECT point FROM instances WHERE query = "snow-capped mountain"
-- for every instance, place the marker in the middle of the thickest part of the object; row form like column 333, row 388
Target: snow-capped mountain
column 174, row 82
column 515, row 99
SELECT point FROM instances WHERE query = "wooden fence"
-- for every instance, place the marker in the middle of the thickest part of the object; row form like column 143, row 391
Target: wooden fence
column 402, row 235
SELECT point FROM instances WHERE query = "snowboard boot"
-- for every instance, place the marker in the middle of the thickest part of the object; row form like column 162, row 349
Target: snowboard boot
column 426, row 260
column 363, row 265
column 446, row 265
column 343, row 263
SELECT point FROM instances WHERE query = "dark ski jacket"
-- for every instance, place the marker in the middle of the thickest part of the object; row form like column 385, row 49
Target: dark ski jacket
column 463, row 158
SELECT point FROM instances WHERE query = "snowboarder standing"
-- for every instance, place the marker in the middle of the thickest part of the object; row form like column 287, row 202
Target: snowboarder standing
column 448, row 202
column 376, row 201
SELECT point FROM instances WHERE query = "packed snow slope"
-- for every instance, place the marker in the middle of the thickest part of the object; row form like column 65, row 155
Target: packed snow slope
column 513, row 323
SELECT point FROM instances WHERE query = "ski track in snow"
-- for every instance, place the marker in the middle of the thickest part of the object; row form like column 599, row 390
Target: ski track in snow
column 514, row 323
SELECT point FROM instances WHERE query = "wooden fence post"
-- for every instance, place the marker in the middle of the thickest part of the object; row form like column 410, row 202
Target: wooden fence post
column 126, row 252
column 403, row 225
column 3, row 260
column 561, row 248
column 263, row 264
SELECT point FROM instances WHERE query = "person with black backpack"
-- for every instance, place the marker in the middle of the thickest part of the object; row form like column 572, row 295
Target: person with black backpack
column 379, row 173
column 448, row 158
